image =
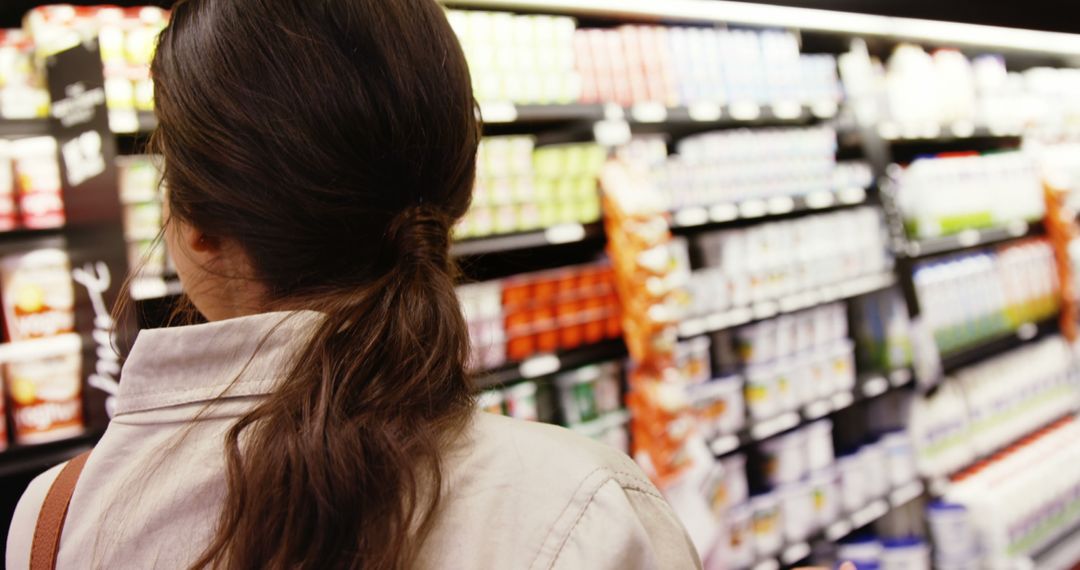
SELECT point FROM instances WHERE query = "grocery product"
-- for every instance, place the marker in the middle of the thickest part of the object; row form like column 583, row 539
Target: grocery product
column 1013, row 504
column 518, row 58
column 882, row 331
column 45, row 397
column 37, row 293
column 728, row 167
column 127, row 38
column 992, row 404
column 22, row 89
column 481, row 303
column 37, row 182
column 9, row 219
column 969, row 297
column 958, row 191
column 521, row 188
column 770, row 260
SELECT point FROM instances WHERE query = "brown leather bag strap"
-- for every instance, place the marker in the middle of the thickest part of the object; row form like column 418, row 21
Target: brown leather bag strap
column 50, row 523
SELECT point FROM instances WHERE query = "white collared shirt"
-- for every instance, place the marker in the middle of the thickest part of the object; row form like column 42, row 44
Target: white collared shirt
column 518, row 494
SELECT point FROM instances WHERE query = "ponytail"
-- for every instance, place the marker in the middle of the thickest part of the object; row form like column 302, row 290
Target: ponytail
column 350, row 441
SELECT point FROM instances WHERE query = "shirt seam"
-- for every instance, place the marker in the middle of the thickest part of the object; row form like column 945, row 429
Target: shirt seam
column 642, row 489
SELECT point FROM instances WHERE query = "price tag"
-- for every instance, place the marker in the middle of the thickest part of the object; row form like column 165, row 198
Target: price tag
column 842, row 400
column 613, row 112
column 900, row 377
column 123, row 121
column 962, row 129
column 539, row 366
column 691, row 328
column 824, row 109
column 781, row 205
column 968, row 238
column 765, row 310
column 723, row 213
column 818, row 409
column 688, row 217
column 875, row 387
column 786, row 110
column 795, row 553
column 724, row 445
column 650, row 112
column 838, row 530
column 564, row 233
column 753, row 208
column 612, row 132
column 889, row 130
column 498, row 112
column 1017, row 228
column 770, row 564
column 1027, row 331
column 820, row 199
column 745, row 111
column 852, row 195
column 705, row 112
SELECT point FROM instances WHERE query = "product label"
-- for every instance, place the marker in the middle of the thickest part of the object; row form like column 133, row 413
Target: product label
column 38, row 295
column 46, row 398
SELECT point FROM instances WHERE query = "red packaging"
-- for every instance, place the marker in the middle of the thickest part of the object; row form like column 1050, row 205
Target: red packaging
column 38, row 294
column 46, row 398
column 37, row 180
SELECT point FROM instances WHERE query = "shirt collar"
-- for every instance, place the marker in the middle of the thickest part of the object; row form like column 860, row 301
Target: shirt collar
column 245, row 356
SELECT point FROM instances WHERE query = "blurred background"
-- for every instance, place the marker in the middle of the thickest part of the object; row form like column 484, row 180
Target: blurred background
column 813, row 264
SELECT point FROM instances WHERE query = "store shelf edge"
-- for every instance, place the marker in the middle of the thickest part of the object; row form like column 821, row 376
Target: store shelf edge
column 563, row 361
column 526, row 240
column 970, row 239
column 999, row 344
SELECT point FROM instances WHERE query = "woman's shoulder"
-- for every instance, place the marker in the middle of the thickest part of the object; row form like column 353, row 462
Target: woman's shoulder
column 552, row 454
column 24, row 521
column 518, row 488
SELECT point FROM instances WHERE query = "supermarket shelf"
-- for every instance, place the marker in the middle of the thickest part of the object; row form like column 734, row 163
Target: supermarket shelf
column 547, row 364
column 874, row 510
column 28, row 459
column 23, row 234
column 40, row 348
column 505, row 112
column 999, row 344
column 764, row 209
column 869, row 387
column 939, row 486
column 958, row 131
column 24, row 127
column 145, row 288
column 807, row 19
column 713, row 114
column 971, row 238
column 555, row 235
column 789, row 304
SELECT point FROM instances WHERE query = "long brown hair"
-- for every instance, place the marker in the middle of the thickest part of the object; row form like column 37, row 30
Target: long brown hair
column 335, row 142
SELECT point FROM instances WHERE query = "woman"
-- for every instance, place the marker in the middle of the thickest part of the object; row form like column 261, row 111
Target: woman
column 317, row 154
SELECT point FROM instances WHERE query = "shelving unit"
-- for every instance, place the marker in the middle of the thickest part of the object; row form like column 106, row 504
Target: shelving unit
column 548, row 364
column 998, row 344
column 765, row 210
column 969, row 239
column 795, row 302
column 16, row 460
column 870, row 386
column 555, row 235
